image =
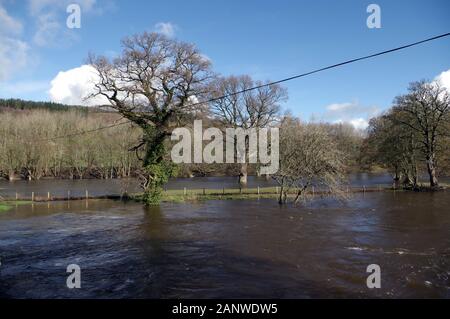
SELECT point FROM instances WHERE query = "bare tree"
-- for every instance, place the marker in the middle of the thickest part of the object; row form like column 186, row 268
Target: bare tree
column 308, row 157
column 153, row 83
column 28, row 151
column 250, row 109
column 425, row 110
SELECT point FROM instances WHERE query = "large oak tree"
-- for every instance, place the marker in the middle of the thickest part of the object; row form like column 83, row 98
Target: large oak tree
column 153, row 83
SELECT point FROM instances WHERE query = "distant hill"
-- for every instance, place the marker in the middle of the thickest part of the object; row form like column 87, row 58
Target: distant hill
column 18, row 104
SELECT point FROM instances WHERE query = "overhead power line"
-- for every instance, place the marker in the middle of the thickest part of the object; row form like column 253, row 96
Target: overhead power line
column 280, row 81
column 328, row 67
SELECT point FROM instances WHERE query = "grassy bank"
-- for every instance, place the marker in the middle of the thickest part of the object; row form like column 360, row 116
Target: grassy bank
column 183, row 195
column 262, row 192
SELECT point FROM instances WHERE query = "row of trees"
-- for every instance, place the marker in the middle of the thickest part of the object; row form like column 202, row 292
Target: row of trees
column 414, row 135
column 158, row 83
column 28, row 150
column 19, row 104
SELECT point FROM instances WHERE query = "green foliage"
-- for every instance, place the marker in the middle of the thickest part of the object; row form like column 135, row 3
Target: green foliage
column 159, row 174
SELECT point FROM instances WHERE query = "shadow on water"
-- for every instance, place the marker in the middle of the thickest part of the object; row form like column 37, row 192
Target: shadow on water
column 229, row 249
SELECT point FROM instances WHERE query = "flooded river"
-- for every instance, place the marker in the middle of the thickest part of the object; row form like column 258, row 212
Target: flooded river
column 229, row 249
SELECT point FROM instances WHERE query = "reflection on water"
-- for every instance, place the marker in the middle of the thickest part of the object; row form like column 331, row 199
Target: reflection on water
column 96, row 187
column 229, row 248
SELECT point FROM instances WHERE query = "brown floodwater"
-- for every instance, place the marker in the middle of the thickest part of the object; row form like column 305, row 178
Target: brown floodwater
column 229, row 249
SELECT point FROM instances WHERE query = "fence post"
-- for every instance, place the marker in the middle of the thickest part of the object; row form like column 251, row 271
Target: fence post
column 184, row 191
column 258, row 190
column 68, row 195
column 32, row 196
column 17, row 196
column 364, row 188
column 87, row 194
column 48, row 196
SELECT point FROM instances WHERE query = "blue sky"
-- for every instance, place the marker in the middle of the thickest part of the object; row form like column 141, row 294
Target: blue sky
column 265, row 39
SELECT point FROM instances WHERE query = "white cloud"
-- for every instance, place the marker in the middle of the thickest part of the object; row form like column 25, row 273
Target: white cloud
column 350, row 109
column 74, row 85
column 349, row 112
column 13, row 56
column 338, row 107
column 51, row 15
column 13, row 51
column 444, row 79
column 359, row 123
column 47, row 30
column 166, row 28
column 36, row 7
column 8, row 24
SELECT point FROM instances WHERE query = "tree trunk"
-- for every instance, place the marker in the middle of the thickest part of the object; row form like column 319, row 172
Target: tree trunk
column 415, row 174
column 407, row 181
column 299, row 194
column 297, row 197
column 396, row 178
column 280, row 198
column 11, row 176
column 243, row 174
column 431, row 167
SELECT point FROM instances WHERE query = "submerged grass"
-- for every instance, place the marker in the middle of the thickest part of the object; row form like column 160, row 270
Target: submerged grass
column 201, row 197
column 7, row 205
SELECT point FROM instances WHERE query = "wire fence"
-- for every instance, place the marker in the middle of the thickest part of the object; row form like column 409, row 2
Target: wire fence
column 186, row 191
